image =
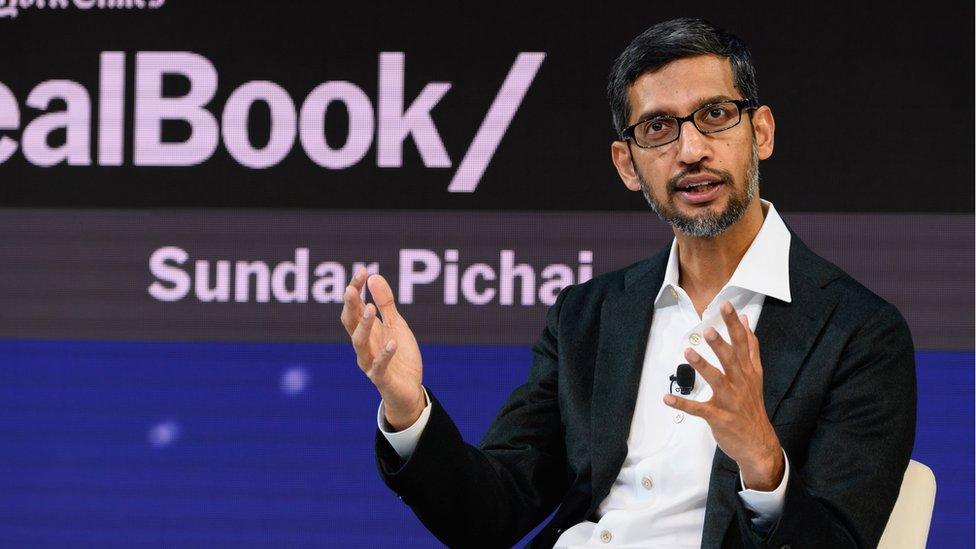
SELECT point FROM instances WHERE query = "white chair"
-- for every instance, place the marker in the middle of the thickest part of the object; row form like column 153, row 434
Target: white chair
column 908, row 525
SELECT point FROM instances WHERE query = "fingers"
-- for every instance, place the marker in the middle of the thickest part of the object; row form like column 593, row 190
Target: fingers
column 726, row 355
column 737, row 333
column 361, row 338
column 710, row 373
column 735, row 356
column 382, row 360
column 359, row 279
column 379, row 288
column 352, row 308
column 693, row 407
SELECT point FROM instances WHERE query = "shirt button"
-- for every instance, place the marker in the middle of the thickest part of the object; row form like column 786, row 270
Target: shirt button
column 679, row 418
column 606, row 536
column 695, row 339
column 646, row 483
column 674, row 294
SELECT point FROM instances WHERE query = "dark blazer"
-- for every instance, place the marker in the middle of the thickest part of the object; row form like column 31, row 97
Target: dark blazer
column 839, row 388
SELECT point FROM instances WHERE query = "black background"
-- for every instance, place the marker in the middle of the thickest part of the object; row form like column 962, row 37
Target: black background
column 874, row 105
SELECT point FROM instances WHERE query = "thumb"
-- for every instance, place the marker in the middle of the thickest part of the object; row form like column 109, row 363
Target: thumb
column 382, row 294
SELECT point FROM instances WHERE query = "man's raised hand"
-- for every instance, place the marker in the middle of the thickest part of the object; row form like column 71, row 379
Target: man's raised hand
column 386, row 349
column 736, row 412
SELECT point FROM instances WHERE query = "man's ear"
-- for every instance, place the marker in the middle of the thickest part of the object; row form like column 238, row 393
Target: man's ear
column 764, row 130
column 620, row 154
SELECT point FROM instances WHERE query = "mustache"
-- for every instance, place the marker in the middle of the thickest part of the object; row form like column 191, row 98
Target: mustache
column 725, row 176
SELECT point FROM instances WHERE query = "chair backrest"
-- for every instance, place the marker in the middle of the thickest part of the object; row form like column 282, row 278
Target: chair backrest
column 908, row 525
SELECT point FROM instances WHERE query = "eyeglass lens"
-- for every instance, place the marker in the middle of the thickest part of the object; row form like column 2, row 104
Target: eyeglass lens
column 708, row 119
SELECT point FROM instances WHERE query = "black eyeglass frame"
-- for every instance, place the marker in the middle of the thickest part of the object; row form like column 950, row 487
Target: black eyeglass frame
column 741, row 104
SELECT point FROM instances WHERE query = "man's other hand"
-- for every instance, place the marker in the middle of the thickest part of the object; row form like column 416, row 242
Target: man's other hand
column 736, row 412
column 386, row 349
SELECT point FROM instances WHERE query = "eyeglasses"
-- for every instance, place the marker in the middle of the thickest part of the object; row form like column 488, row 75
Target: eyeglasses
column 711, row 118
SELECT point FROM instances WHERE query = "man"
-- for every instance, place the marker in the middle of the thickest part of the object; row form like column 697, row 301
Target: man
column 801, row 422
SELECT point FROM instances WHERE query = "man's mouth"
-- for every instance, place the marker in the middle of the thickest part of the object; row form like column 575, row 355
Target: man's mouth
column 698, row 185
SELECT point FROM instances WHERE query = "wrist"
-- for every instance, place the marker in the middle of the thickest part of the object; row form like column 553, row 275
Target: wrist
column 765, row 472
column 400, row 417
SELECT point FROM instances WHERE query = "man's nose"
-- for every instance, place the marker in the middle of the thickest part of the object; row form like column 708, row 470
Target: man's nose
column 693, row 146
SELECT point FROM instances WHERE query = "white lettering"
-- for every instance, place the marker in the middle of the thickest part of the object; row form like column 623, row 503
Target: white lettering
column 159, row 265
column 221, row 289
column 496, row 122
column 331, row 283
column 312, row 125
column 152, row 108
column 395, row 124
column 557, row 277
column 298, row 270
column 283, row 123
column 242, row 281
column 509, row 271
column 409, row 277
column 111, row 108
column 450, row 277
column 469, row 284
column 8, row 8
column 9, row 120
column 291, row 281
column 75, row 119
column 586, row 266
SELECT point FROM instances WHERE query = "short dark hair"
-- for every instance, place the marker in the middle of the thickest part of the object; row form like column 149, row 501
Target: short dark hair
column 671, row 40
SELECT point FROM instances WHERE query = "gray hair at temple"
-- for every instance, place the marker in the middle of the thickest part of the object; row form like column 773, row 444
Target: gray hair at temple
column 671, row 40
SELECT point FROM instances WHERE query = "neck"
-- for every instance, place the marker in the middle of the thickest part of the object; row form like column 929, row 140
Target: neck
column 706, row 263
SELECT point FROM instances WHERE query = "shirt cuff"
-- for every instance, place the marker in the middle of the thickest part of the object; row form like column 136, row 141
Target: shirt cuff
column 405, row 441
column 768, row 506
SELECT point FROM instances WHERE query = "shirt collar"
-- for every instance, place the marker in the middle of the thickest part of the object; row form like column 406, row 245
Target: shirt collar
column 764, row 269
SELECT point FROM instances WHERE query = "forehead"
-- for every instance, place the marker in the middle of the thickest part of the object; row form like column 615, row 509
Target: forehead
column 680, row 86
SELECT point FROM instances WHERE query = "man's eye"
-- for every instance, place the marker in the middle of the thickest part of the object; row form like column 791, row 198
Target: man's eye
column 718, row 113
column 657, row 126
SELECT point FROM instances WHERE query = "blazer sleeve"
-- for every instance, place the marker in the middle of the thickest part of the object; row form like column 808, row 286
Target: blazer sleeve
column 847, row 486
column 493, row 494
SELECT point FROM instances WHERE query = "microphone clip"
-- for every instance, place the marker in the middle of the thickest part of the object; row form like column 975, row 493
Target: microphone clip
column 685, row 378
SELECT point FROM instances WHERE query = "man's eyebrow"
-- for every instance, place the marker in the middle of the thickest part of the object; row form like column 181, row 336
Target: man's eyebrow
column 661, row 112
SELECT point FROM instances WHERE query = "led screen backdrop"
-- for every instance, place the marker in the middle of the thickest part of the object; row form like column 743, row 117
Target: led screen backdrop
column 187, row 187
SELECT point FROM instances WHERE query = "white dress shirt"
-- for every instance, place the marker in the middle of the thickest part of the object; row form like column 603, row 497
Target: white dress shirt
column 658, row 498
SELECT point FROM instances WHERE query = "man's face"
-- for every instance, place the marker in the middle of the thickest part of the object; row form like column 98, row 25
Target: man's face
column 727, row 160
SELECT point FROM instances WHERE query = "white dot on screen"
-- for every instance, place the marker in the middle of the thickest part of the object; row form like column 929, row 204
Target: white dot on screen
column 164, row 434
column 294, row 380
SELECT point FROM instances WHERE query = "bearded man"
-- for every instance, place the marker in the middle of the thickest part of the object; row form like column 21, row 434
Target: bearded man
column 799, row 423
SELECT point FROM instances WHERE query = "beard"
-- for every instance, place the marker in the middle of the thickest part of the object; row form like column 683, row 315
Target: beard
column 708, row 224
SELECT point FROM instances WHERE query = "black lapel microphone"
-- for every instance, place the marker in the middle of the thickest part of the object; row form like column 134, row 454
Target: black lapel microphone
column 685, row 378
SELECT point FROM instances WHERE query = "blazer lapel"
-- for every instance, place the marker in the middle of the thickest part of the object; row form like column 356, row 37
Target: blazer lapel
column 625, row 321
column 786, row 333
